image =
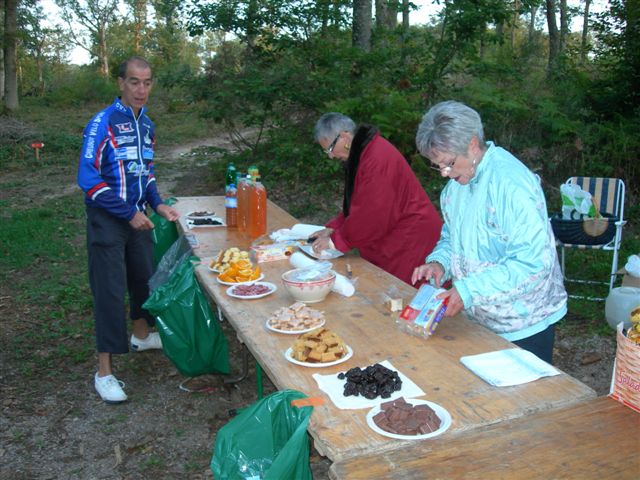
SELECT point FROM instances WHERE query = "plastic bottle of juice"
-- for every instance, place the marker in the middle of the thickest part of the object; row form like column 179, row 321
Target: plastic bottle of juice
column 258, row 209
column 244, row 189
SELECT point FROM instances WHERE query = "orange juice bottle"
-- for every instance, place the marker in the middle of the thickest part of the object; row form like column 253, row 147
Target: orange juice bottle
column 257, row 209
column 244, row 189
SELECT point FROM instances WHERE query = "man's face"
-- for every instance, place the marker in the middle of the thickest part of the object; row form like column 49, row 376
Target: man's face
column 136, row 86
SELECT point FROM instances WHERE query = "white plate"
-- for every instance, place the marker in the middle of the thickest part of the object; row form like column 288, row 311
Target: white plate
column 214, row 270
column 326, row 254
column 289, row 351
column 443, row 414
column 272, row 288
column 296, row 332
column 240, row 283
column 190, row 223
column 191, row 215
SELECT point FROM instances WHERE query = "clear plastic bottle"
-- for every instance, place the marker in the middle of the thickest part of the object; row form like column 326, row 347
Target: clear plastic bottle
column 244, row 189
column 231, row 196
column 257, row 209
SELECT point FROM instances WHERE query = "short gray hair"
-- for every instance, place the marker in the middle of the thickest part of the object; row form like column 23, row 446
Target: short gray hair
column 448, row 127
column 331, row 124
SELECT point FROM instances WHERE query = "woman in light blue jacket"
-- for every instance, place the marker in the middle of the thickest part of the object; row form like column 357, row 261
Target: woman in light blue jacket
column 496, row 244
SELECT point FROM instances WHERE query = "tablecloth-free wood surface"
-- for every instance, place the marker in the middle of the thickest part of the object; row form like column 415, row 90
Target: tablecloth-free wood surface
column 370, row 330
column 596, row 439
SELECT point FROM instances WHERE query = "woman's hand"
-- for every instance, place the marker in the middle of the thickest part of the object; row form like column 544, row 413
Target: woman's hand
column 454, row 304
column 427, row 272
column 322, row 240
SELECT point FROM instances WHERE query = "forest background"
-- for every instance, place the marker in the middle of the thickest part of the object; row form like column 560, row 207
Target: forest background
column 262, row 71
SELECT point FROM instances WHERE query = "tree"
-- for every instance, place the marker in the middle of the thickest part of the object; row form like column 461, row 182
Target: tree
column 95, row 16
column 139, row 11
column 585, row 31
column 554, row 37
column 361, row 34
column 10, row 57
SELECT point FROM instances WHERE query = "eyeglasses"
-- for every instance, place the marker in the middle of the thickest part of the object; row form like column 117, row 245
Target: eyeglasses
column 446, row 169
column 332, row 145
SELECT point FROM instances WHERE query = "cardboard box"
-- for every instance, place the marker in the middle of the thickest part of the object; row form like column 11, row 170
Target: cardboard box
column 628, row 280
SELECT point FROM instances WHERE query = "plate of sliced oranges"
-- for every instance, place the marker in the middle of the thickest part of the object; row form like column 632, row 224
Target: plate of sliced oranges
column 240, row 271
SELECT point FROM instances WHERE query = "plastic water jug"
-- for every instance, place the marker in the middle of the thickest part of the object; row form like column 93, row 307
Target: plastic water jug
column 619, row 304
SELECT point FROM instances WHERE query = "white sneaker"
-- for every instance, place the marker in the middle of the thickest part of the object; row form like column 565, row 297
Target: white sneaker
column 110, row 389
column 152, row 341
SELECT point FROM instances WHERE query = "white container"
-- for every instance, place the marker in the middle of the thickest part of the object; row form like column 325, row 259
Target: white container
column 619, row 304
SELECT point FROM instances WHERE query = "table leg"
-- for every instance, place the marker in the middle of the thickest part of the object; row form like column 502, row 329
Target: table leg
column 245, row 368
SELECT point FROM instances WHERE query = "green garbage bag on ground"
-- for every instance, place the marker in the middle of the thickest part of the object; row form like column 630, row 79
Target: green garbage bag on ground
column 191, row 335
column 164, row 233
column 266, row 441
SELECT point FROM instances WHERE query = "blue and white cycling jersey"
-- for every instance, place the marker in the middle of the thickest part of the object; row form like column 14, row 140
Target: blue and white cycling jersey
column 116, row 162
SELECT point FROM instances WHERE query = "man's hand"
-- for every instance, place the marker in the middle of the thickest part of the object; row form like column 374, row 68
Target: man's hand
column 168, row 212
column 141, row 222
column 428, row 271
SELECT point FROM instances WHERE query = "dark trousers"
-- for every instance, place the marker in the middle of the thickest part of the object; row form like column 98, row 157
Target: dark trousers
column 120, row 261
column 540, row 344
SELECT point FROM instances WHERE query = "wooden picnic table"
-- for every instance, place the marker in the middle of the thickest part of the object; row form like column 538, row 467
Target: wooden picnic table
column 370, row 330
column 595, row 439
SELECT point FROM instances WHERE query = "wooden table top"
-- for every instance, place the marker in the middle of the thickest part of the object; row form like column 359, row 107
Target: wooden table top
column 596, row 439
column 369, row 329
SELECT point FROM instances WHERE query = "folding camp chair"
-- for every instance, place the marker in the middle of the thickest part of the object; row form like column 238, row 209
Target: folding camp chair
column 608, row 197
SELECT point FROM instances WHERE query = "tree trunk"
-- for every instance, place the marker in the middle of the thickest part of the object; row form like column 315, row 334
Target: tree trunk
column 564, row 25
column 405, row 15
column 361, row 31
column 10, row 63
column 532, row 23
column 381, row 13
column 2, row 73
column 140, row 20
column 391, row 18
column 516, row 16
column 103, row 53
column 585, row 31
column 553, row 32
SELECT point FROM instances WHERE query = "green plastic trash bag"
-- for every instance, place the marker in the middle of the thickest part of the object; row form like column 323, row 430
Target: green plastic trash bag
column 164, row 233
column 190, row 332
column 266, row 441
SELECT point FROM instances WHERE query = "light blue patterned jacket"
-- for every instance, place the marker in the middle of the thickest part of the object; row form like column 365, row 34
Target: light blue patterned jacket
column 498, row 248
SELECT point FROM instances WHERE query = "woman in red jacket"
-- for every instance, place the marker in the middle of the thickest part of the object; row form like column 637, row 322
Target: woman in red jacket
column 386, row 214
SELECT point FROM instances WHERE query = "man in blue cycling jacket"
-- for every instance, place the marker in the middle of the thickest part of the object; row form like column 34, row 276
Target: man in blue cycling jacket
column 116, row 173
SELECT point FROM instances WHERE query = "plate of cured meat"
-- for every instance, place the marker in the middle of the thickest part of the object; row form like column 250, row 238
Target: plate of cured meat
column 251, row 291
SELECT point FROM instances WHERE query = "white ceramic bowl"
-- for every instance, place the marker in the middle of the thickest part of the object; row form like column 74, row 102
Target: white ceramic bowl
column 310, row 291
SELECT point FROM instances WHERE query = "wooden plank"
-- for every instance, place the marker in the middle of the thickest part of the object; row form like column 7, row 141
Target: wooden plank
column 366, row 325
column 597, row 439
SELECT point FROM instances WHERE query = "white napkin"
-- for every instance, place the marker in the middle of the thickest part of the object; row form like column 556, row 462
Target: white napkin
column 504, row 368
column 334, row 387
column 300, row 231
column 343, row 285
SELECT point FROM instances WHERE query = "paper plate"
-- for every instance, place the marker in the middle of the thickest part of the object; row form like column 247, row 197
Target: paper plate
column 271, row 286
column 289, row 351
column 207, row 214
column 190, row 223
column 240, row 283
column 295, row 332
column 326, row 254
column 443, row 414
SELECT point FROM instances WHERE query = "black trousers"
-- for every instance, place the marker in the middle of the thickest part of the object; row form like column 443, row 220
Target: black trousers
column 120, row 261
column 540, row 344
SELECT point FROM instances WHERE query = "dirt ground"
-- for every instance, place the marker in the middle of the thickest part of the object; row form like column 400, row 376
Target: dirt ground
column 57, row 428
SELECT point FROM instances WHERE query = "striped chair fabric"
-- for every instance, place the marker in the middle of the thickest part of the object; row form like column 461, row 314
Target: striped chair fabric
column 608, row 196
